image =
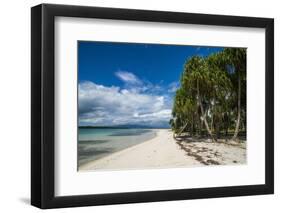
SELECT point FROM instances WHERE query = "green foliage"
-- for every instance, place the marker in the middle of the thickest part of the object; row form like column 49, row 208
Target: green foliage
column 209, row 98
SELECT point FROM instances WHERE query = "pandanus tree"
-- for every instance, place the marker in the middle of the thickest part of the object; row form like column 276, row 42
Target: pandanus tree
column 183, row 111
column 212, row 91
column 196, row 79
column 236, row 59
column 220, row 89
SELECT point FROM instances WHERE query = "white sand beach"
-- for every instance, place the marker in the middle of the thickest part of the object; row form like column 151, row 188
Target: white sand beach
column 164, row 151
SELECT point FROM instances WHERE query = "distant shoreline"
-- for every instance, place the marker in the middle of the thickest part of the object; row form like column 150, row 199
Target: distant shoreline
column 120, row 127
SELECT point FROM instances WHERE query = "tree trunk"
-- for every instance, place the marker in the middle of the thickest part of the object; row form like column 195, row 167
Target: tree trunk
column 239, row 109
column 218, row 128
column 199, row 121
column 192, row 126
column 181, row 130
column 226, row 126
column 212, row 123
column 203, row 113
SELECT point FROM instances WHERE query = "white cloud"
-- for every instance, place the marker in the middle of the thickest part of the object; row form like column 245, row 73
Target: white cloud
column 101, row 105
column 137, row 85
column 173, row 87
column 128, row 77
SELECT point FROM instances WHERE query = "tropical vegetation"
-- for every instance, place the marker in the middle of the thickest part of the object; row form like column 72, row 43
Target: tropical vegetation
column 211, row 99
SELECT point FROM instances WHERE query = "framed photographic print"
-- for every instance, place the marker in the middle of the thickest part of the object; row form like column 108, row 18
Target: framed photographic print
column 140, row 106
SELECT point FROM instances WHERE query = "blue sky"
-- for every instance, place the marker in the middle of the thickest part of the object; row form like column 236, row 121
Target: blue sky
column 129, row 83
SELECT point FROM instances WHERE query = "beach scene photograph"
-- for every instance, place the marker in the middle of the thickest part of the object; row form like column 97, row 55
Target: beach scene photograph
column 160, row 106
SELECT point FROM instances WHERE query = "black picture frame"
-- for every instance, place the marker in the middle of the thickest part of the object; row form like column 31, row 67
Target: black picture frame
column 43, row 102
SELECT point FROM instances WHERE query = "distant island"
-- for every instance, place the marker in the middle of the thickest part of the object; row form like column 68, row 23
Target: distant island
column 125, row 127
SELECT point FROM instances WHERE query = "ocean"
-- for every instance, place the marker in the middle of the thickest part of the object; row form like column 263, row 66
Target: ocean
column 95, row 143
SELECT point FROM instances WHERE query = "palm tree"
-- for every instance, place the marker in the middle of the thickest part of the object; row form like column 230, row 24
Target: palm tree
column 236, row 57
column 212, row 89
column 196, row 74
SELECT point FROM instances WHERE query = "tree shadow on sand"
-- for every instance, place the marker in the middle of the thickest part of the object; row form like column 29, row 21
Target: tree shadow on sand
column 205, row 154
column 223, row 139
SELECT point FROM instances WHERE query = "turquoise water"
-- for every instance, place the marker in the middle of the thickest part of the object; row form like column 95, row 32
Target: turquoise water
column 95, row 143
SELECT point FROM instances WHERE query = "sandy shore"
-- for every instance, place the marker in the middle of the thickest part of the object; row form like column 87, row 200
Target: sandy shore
column 219, row 153
column 164, row 152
